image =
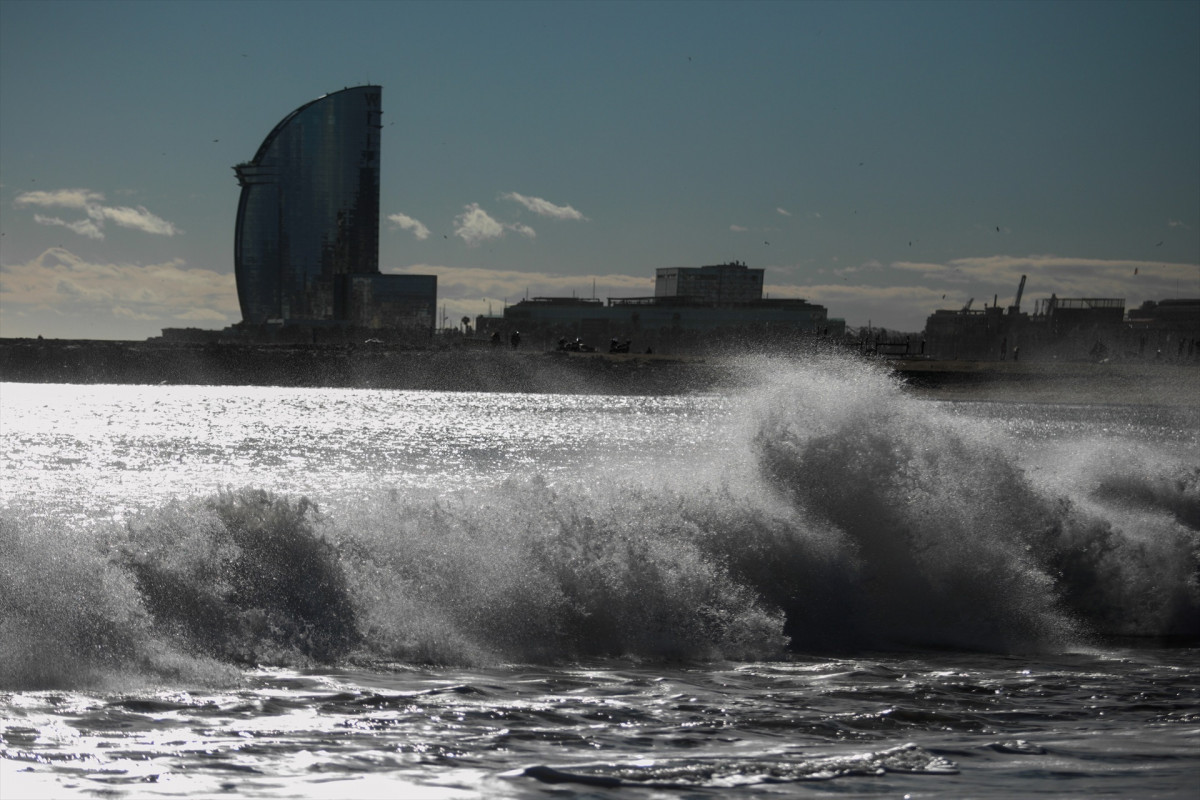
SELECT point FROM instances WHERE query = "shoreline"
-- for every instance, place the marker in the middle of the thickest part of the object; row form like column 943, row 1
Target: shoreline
column 505, row 370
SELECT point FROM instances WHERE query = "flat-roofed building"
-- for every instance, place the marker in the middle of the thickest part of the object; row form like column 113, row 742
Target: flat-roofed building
column 692, row 309
column 717, row 283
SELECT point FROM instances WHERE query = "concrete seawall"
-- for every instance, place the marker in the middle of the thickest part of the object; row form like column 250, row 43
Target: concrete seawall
column 505, row 370
column 1117, row 383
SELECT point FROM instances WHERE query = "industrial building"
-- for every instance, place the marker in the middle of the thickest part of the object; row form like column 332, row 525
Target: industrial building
column 1065, row 328
column 306, row 244
column 692, row 308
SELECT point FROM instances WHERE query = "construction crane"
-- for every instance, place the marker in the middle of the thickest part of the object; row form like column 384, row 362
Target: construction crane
column 1016, row 306
column 967, row 307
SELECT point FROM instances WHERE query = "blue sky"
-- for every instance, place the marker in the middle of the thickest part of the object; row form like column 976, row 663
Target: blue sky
column 872, row 157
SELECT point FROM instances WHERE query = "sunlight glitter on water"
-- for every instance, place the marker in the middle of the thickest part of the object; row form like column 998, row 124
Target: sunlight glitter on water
column 169, row 441
column 588, row 563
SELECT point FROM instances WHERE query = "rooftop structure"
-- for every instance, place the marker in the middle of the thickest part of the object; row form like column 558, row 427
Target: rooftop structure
column 716, row 284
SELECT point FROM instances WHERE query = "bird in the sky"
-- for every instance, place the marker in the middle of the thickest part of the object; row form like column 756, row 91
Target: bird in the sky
column 1158, row 245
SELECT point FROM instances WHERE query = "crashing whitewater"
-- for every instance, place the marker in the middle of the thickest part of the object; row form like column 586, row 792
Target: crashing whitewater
column 841, row 515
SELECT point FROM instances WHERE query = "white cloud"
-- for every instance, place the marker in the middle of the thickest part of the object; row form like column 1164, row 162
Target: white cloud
column 88, row 201
column 870, row 265
column 84, row 227
column 543, row 208
column 475, row 225
column 409, row 224
column 738, row 228
column 1174, row 223
column 59, row 198
column 138, row 219
column 783, row 212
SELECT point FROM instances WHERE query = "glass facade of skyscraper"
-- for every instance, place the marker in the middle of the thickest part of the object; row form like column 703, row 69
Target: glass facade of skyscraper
column 309, row 209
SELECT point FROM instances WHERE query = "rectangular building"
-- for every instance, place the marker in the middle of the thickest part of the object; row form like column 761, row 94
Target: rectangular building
column 388, row 301
column 718, row 284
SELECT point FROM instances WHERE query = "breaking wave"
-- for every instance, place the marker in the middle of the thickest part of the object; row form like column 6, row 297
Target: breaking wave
column 846, row 515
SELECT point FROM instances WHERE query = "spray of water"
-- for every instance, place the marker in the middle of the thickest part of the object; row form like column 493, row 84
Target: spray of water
column 839, row 514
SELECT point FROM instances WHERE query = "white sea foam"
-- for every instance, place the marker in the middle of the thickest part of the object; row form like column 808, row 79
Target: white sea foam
column 822, row 508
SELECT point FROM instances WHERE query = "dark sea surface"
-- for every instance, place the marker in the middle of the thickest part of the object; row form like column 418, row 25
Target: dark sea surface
column 820, row 585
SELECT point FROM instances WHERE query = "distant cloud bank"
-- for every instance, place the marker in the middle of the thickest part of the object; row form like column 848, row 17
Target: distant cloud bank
column 92, row 204
column 62, row 294
column 472, row 288
column 1065, row 276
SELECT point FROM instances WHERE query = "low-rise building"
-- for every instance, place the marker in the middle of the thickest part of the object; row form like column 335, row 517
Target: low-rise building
column 692, row 309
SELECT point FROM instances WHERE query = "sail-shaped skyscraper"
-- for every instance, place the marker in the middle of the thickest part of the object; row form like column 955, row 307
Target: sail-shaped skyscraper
column 306, row 246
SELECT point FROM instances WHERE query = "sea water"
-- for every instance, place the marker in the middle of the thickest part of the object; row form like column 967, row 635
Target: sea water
column 818, row 585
